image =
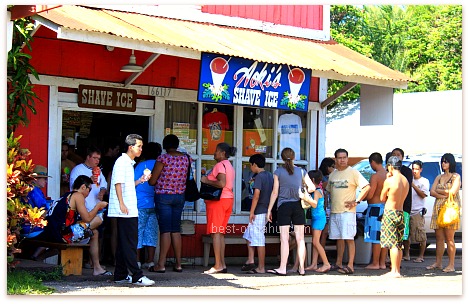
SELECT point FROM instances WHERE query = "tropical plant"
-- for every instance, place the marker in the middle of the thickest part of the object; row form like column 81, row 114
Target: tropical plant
column 19, row 179
column 20, row 94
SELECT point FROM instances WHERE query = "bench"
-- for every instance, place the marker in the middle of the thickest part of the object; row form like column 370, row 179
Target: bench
column 71, row 255
column 237, row 239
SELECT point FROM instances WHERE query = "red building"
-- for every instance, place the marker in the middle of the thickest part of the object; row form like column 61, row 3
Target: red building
column 80, row 50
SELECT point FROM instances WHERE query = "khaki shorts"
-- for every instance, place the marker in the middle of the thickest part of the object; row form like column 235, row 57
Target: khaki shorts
column 417, row 229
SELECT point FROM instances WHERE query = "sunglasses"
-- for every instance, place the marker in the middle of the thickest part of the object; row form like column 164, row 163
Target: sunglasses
column 445, row 161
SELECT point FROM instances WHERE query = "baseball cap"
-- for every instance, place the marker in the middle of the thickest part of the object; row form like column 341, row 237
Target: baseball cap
column 394, row 161
column 41, row 171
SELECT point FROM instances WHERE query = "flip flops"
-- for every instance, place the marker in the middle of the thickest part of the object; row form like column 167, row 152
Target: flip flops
column 433, row 267
column 448, row 270
column 418, row 260
column 335, row 267
column 274, row 271
column 153, row 269
column 324, row 270
column 248, row 267
column 214, row 271
column 345, row 270
column 254, row 271
column 106, row 273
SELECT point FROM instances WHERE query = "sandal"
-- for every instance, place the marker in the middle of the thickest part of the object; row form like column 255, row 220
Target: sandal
column 433, row 267
column 345, row 270
column 447, row 270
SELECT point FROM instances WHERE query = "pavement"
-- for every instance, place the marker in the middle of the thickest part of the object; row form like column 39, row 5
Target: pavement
column 415, row 280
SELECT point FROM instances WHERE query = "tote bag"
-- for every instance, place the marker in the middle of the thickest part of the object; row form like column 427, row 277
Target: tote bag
column 192, row 193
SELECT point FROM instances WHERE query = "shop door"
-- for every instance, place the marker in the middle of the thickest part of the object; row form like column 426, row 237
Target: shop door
column 83, row 129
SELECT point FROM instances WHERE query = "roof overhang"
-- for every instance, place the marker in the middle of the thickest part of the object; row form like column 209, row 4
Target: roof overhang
column 189, row 39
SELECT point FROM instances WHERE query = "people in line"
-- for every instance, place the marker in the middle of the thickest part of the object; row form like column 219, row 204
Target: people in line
column 343, row 185
column 394, row 193
column 169, row 179
column 407, row 172
column 123, row 206
column 147, row 221
column 218, row 212
column 318, row 222
column 444, row 184
column 288, row 181
column 326, row 167
column 420, row 190
column 66, row 167
column 255, row 238
column 71, row 210
column 374, row 213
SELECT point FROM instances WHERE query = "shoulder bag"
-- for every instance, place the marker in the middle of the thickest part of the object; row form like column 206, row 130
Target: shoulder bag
column 449, row 213
column 209, row 192
column 304, row 189
column 192, row 193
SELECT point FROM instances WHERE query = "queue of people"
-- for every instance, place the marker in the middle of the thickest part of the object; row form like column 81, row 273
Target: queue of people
column 142, row 202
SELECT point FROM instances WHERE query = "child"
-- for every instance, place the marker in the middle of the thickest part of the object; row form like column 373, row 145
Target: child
column 262, row 185
column 318, row 222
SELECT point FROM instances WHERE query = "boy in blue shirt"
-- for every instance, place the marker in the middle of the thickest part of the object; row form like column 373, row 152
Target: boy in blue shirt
column 262, row 184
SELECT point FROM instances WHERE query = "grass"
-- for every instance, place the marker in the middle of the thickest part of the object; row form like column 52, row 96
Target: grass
column 20, row 282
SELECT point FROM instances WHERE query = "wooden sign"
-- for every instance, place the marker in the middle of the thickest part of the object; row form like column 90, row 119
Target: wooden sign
column 107, row 98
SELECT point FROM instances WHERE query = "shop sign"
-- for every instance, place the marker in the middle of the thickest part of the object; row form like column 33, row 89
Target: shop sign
column 239, row 81
column 107, row 98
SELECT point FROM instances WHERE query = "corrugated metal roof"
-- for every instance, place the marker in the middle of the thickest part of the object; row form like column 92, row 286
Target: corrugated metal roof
column 325, row 59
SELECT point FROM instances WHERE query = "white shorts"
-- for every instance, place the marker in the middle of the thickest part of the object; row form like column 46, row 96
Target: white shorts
column 343, row 226
column 255, row 231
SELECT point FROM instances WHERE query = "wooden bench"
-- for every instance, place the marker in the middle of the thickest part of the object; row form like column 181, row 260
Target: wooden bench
column 71, row 255
column 237, row 239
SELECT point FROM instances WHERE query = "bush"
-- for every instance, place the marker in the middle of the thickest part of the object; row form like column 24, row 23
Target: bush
column 19, row 179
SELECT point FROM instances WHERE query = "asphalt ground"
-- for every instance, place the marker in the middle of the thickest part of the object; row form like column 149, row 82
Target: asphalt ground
column 416, row 281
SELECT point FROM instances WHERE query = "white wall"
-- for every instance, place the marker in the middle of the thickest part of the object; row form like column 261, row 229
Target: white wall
column 423, row 122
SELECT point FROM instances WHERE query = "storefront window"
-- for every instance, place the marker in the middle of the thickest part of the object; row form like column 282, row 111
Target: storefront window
column 181, row 120
column 292, row 133
column 217, row 127
column 257, row 131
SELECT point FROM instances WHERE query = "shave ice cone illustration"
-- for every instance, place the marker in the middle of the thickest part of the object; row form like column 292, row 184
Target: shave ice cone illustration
column 96, row 172
column 218, row 66
column 296, row 77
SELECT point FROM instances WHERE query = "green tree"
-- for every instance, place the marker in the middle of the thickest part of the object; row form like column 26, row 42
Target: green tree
column 422, row 41
column 20, row 94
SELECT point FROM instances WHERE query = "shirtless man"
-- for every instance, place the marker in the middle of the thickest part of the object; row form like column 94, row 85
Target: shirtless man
column 394, row 192
column 374, row 213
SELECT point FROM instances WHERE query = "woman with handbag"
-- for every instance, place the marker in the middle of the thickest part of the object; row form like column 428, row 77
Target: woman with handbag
column 445, row 186
column 169, row 178
column 288, row 181
column 219, row 211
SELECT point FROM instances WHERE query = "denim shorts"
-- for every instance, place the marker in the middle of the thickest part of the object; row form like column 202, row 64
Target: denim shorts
column 168, row 210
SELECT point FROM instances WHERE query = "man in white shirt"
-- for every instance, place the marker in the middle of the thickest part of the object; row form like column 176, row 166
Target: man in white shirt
column 123, row 206
column 99, row 186
column 420, row 190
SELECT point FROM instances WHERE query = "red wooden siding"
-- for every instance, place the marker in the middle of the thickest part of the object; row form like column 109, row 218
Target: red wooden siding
column 305, row 16
column 35, row 135
column 71, row 59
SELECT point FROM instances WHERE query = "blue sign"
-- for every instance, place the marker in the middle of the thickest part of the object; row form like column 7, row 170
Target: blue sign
column 239, row 81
